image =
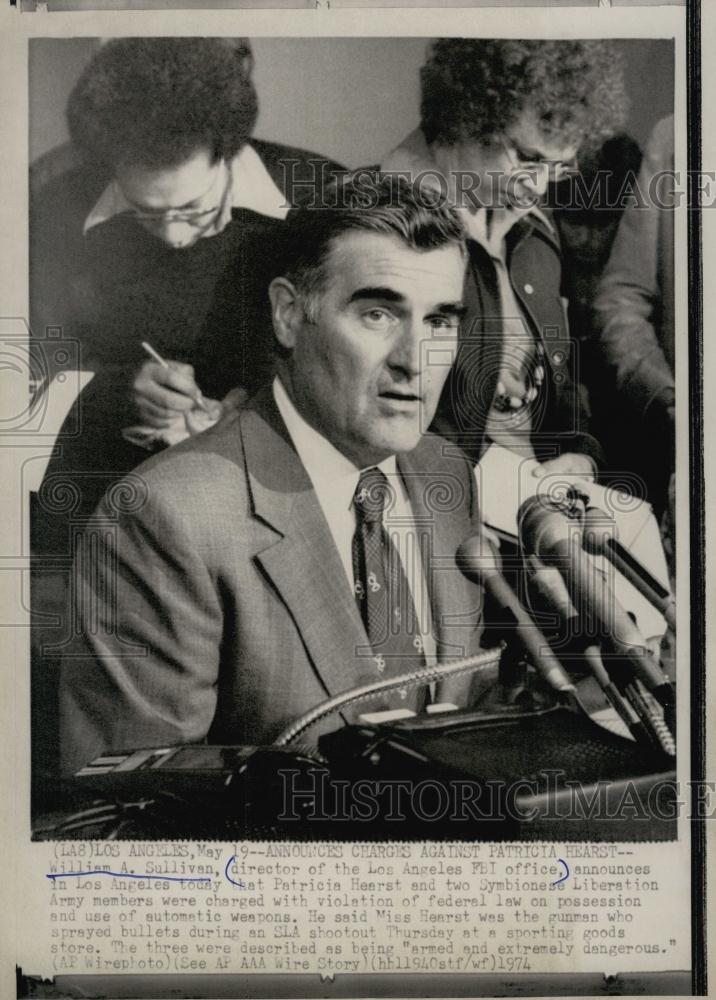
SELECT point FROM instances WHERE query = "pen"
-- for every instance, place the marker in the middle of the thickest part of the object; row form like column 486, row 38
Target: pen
column 156, row 356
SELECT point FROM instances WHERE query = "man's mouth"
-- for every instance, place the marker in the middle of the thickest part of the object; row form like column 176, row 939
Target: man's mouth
column 400, row 397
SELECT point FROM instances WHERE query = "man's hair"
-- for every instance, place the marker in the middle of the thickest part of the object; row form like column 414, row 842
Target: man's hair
column 364, row 201
column 154, row 102
column 472, row 90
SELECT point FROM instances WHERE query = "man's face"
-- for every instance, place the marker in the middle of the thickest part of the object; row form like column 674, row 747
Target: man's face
column 368, row 372
column 177, row 204
column 515, row 169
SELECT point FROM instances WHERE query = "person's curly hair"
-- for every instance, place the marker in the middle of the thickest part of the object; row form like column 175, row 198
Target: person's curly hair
column 472, row 89
column 155, row 101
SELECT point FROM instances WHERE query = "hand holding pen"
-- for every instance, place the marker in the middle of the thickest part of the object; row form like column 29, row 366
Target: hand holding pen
column 165, row 391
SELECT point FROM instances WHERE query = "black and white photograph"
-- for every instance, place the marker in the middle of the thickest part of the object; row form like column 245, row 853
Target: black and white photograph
column 357, row 502
column 370, row 473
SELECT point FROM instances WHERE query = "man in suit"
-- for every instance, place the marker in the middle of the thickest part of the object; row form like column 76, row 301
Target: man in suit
column 306, row 544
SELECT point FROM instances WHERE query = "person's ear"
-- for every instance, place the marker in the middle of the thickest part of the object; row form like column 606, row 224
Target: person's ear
column 286, row 312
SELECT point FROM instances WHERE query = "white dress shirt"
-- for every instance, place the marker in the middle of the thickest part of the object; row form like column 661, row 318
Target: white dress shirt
column 335, row 480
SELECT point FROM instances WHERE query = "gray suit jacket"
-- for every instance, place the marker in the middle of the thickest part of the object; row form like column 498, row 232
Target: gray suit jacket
column 212, row 601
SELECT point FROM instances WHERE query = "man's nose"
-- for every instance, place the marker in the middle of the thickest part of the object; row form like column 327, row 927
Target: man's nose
column 174, row 233
column 407, row 352
column 536, row 179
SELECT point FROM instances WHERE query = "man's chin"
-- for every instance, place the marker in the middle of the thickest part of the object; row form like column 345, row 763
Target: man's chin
column 394, row 436
column 401, row 444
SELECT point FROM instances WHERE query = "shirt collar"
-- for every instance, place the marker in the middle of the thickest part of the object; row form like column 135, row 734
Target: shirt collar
column 413, row 156
column 331, row 473
column 251, row 187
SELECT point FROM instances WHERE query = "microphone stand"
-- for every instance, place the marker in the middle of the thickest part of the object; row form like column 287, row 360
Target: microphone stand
column 656, row 723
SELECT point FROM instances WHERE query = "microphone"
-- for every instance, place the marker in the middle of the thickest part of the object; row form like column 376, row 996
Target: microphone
column 548, row 587
column 601, row 538
column 552, row 590
column 479, row 561
column 548, row 532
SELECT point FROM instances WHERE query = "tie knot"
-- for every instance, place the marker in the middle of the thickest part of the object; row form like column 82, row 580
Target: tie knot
column 371, row 495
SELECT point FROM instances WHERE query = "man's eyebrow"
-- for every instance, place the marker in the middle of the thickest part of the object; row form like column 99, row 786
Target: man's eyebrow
column 386, row 294
column 376, row 292
column 450, row 309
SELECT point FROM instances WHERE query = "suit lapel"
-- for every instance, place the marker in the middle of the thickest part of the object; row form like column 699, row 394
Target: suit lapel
column 300, row 557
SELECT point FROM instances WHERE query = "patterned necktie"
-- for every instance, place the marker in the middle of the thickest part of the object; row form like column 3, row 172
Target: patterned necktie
column 381, row 588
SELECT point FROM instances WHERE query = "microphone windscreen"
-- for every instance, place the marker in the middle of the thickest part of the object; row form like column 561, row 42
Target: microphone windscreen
column 544, row 526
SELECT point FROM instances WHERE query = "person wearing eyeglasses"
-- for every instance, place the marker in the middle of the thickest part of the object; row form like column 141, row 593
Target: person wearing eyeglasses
column 501, row 120
column 167, row 190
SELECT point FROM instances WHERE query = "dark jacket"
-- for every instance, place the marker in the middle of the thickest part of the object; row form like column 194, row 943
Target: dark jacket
column 560, row 418
column 633, row 383
column 109, row 289
column 635, row 302
column 118, row 285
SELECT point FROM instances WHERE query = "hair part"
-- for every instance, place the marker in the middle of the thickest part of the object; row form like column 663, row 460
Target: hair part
column 363, row 201
column 153, row 102
column 474, row 89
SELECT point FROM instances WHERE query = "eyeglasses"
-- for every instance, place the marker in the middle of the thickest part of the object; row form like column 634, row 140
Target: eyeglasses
column 557, row 169
column 195, row 217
